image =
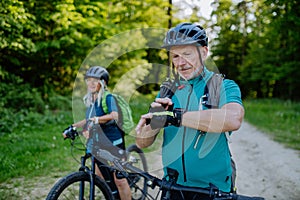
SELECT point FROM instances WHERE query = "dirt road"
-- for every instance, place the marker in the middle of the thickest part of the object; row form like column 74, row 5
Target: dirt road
column 265, row 168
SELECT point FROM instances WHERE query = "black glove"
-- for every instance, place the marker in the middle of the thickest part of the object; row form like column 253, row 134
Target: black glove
column 70, row 132
column 167, row 89
column 166, row 118
column 158, row 109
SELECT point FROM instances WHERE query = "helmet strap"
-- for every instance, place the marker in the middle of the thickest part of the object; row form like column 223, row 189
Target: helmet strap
column 174, row 72
column 201, row 61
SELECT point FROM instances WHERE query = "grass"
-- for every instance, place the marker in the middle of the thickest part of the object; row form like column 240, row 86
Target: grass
column 37, row 150
column 32, row 151
column 280, row 119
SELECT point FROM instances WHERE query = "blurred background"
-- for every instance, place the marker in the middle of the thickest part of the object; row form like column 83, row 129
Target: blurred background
column 44, row 43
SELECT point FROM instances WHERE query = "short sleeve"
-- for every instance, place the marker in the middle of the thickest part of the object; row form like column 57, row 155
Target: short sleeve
column 111, row 103
column 230, row 93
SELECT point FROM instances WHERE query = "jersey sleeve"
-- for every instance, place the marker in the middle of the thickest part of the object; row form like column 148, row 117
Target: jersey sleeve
column 230, row 93
column 111, row 103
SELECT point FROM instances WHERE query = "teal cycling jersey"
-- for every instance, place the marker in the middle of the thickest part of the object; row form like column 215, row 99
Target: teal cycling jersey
column 200, row 158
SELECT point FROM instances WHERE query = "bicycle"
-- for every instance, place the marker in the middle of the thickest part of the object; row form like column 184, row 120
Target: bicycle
column 168, row 183
column 85, row 184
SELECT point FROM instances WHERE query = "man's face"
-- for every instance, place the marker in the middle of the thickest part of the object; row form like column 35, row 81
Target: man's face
column 186, row 60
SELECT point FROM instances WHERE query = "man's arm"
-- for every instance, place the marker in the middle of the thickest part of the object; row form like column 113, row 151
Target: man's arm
column 228, row 118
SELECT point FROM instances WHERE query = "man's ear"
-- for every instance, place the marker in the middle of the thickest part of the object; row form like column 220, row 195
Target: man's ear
column 204, row 52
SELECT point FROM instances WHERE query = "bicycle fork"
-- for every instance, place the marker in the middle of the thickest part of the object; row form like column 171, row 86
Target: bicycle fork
column 92, row 178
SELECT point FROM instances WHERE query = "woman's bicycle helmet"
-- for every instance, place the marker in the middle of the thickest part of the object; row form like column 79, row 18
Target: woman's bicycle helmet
column 185, row 34
column 97, row 72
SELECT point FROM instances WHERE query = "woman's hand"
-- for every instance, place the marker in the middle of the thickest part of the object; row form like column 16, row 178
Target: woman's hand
column 86, row 134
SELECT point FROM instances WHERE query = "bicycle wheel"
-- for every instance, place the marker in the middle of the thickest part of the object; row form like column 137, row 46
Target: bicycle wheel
column 69, row 188
column 137, row 183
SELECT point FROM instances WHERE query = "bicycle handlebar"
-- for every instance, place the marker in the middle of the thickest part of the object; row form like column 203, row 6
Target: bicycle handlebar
column 70, row 132
column 156, row 182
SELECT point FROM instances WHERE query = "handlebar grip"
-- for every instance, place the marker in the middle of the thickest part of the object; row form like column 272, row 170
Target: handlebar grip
column 70, row 132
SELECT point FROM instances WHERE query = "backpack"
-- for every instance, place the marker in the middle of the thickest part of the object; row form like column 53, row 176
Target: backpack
column 125, row 121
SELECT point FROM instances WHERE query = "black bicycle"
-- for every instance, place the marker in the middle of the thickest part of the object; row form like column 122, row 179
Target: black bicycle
column 85, row 184
column 126, row 168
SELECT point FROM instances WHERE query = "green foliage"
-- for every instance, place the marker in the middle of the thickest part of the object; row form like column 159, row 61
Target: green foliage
column 56, row 36
column 18, row 100
column 45, row 42
column 278, row 118
column 21, row 105
column 17, row 25
column 255, row 47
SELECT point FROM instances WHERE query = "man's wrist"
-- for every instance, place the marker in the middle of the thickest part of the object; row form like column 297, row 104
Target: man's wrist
column 177, row 118
column 166, row 118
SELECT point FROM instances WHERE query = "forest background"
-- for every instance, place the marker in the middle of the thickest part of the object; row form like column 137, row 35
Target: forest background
column 44, row 44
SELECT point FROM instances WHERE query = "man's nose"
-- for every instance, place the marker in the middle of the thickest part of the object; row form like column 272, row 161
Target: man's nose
column 181, row 61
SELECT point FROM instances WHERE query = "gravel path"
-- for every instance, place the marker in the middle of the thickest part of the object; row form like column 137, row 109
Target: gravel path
column 264, row 168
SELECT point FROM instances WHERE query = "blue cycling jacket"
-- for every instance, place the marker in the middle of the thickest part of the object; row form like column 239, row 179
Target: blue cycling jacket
column 200, row 158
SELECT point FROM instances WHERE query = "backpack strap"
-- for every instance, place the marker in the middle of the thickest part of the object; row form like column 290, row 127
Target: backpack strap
column 103, row 101
column 211, row 96
column 212, row 91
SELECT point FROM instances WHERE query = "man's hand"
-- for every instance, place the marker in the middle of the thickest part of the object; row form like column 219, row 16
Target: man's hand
column 167, row 89
column 163, row 114
column 160, row 104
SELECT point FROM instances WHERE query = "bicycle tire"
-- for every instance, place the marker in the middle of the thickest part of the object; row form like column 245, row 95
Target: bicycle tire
column 68, row 188
column 137, row 183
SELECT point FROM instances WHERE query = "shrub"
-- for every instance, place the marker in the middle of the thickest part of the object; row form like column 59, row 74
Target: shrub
column 22, row 106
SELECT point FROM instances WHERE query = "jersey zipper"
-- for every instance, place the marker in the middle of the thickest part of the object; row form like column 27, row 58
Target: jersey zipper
column 200, row 134
column 183, row 139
